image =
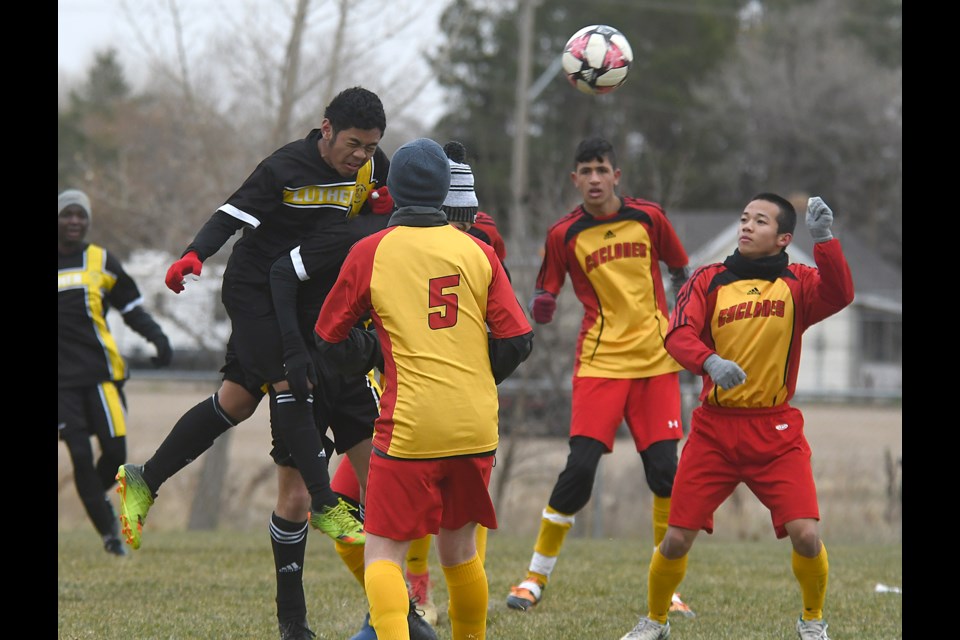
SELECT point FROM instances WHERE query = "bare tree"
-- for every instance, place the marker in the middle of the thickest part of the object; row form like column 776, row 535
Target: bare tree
column 803, row 107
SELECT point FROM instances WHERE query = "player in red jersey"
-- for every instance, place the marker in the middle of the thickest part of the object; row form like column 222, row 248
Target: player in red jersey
column 611, row 247
column 450, row 328
column 739, row 324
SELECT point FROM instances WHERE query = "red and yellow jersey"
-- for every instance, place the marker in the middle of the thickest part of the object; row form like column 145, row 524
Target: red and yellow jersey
column 614, row 266
column 756, row 319
column 432, row 292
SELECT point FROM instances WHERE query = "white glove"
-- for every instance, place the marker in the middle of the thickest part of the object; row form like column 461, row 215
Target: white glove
column 726, row 374
column 819, row 219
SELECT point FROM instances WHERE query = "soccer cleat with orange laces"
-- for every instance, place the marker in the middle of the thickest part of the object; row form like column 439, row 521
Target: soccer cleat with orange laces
column 679, row 606
column 525, row 595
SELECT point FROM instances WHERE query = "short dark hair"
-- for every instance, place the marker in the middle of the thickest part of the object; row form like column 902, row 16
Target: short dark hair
column 595, row 148
column 356, row 108
column 787, row 215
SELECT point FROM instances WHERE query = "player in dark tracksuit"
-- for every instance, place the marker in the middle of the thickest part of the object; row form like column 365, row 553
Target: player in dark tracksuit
column 90, row 370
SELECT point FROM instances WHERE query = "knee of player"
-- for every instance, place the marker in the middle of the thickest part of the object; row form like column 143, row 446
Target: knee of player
column 235, row 402
column 660, row 484
column 293, row 499
column 581, row 471
column 660, row 466
column 676, row 543
column 805, row 537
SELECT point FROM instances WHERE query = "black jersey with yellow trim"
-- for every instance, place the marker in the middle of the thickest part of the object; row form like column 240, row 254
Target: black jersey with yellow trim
column 288, row 192
column 89, row 283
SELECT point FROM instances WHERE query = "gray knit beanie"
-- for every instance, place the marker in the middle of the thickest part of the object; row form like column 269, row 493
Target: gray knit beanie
column 73, row 196
column 419, row 174
column 461, row 204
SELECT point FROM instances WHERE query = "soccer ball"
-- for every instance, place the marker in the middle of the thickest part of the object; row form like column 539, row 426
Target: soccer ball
column 596, row 59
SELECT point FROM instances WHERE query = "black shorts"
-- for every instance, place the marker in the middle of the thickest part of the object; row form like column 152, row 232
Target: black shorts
column 99, row 411
column 255, row 333
column 233, row 371
column 347, row 405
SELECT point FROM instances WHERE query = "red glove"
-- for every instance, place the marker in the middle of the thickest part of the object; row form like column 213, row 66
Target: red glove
column 188, row 264
column 542, row 308
column 381, row 202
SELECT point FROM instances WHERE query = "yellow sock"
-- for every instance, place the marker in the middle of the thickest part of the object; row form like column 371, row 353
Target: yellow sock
column 352, row 556
column 482, row 543
column 389, row 603
column 662, row 581
column 553, row 530
column 417, row 555
column 812, row 574
column 469, row 596
column 661, row 513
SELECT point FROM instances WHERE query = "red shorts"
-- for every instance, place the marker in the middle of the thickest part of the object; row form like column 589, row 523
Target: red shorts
column 407, row 499
column 650, row 407
column 764, row 449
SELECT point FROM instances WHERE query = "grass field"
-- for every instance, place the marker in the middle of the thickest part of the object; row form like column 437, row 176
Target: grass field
column 212, row 585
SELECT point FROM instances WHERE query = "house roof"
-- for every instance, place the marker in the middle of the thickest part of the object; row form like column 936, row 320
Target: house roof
column 709, row 236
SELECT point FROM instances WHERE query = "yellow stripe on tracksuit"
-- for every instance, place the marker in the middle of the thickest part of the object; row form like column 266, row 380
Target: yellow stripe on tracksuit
column 95, row 279
column 113, row 409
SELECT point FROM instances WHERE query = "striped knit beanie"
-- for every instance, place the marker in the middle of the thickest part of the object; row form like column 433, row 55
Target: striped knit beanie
column 461, row 204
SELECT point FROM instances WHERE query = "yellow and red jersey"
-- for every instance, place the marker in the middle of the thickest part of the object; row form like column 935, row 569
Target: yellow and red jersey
column 614, row 266
column 433, row 292
column 754, row 312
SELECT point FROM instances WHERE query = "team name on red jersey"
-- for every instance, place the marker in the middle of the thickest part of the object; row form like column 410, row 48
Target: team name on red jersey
column 612, row 252
column 751, row 309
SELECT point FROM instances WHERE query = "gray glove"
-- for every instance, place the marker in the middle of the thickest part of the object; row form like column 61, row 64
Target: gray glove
column 819, row 219
column 726, row 374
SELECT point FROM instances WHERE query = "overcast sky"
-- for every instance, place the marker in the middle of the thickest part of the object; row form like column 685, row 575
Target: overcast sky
column 85, row 27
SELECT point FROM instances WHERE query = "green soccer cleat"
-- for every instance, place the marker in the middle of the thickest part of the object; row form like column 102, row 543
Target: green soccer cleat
column 135, row 501
column 338, row 523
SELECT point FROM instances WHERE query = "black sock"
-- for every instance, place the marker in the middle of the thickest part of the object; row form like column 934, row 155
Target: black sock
column 289, row 541
column 88, row 484
column 294, row 422
column 113, row 453
column 193, row 434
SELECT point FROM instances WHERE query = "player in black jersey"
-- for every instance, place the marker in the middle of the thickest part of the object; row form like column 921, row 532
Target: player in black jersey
column 326, row 176
column 90, row 370
column 329, row 173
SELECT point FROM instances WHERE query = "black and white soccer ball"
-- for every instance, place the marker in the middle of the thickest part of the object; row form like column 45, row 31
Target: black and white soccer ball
column 596, row 59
